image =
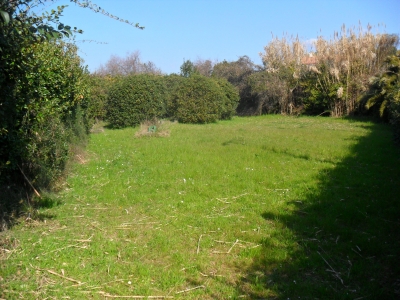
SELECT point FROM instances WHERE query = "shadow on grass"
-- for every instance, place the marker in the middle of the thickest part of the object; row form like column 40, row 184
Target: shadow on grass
column 341, row 241
column 17, row 201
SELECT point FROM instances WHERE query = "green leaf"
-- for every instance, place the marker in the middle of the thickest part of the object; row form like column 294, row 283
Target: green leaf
column 5, row 16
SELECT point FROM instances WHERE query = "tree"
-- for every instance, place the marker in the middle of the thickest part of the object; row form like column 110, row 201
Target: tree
column 282, row 59
column 204, row 67
column 188, row 69
column 129, row 65
column 237, row 73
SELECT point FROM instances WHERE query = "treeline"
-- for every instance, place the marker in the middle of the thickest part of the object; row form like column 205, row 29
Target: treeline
column 354, row 73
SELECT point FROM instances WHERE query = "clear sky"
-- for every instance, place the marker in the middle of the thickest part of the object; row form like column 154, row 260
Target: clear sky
column 215, row 29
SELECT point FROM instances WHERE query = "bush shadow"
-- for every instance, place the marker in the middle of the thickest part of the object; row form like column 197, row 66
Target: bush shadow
column 18, row 201
column 341, row 241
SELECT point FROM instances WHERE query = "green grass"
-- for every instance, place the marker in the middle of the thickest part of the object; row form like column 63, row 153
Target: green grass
column 266, row 207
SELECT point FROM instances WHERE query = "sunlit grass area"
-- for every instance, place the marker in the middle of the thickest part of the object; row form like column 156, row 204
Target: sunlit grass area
column 262, row 207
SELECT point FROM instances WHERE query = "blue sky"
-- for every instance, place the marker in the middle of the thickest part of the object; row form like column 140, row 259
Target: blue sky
column 215, row 29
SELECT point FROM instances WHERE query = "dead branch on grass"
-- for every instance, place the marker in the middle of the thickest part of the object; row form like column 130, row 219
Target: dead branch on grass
column 198, row 244
column 223, row 200
column 97, row 227
column 98, row 208
column 235, row 197
column 81, row 160
column 191, row 289
column 336, row 274
column 59, row 275
column 212, row 274
column 107, row 295
column 230, row 249
column 63, row 248
column 85, row 241
column 26, row 178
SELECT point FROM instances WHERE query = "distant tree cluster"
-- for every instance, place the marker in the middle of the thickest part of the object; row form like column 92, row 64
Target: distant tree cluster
column 129, row 65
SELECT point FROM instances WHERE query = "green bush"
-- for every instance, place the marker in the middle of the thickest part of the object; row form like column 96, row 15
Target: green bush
column 173, row 83
column 383, row 96
column 231, row 98
column 99, row 88
column 394, row 94
column 197, row 99
column 135, row 98
column 44, row 114
column 394, row 109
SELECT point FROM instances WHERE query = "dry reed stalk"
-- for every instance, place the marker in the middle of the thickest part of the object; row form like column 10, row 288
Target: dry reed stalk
column 97, row 227
column 191, row 289
column 351, row 56
column 107, row 295
column 26, row 178
column 59, row 275
column 63, row 248
column 198, row 244
column 336, row 274
column 347, row 59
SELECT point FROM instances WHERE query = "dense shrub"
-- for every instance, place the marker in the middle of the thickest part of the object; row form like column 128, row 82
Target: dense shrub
column 231, row 98
column 394, row 109
column 237, row 73
column 197, row 99
column 44, row 114
column 135, row 98
column 99, row 88
column 269, row 93
column 383, row 95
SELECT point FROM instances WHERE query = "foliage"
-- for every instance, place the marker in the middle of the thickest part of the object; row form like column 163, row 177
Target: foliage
column 236, row 73
column 99, row 88
column 135, row 98
column 172, row 82
column 394, row 109
column 282, row 61
column 231, row 98
column 129, row 65
column 97, row 9
column 335, row 75
column 271, row 92
column 383, row 96
column 45, row 113
column 44, row 106
column 204, row 67
column 188, row 69
column 199, row 99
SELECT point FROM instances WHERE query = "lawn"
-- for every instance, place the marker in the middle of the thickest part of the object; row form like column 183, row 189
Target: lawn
column 266, row 207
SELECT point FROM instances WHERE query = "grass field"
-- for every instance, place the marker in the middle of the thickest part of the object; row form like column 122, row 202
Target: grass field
column 267, row 207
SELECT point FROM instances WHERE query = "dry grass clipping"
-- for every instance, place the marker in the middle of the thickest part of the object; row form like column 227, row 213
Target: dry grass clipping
column 157, row 128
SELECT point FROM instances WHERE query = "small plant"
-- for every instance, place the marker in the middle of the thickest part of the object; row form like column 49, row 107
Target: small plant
column 154, row 127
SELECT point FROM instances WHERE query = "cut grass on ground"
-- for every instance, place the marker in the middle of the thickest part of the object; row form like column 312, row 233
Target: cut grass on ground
column 266, row 207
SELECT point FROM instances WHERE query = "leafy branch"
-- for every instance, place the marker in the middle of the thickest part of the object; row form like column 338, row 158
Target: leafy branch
column 97, row 9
